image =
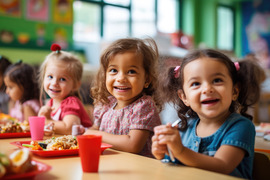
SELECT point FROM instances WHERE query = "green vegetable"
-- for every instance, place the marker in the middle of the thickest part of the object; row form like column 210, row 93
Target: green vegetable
column 27, row 145
column 30, row 146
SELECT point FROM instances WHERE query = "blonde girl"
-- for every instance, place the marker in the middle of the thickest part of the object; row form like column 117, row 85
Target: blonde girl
column 60, row 77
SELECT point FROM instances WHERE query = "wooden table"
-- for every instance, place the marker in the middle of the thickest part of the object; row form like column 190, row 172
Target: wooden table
column 115, row 165
column 262, row 145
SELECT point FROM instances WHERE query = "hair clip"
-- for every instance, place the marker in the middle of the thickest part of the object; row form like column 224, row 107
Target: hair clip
column 237, row 66
column 176, row 72
column 55, row 47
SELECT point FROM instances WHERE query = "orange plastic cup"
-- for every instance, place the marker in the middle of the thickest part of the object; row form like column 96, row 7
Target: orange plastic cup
column 89, row 151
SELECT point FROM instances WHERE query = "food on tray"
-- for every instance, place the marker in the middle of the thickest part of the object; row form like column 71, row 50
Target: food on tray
column 5, row 118
column 55, row 143
column 18, row 162
column 11, row 125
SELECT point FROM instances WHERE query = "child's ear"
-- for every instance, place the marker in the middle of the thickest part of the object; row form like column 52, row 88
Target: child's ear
column 235, row 93
column 182, row 96
column 147, row 82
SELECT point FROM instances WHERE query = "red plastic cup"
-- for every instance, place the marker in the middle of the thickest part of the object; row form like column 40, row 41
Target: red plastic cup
column 36, row 127
column 89, row 151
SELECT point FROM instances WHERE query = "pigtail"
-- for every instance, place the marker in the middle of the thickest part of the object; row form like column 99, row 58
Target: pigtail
column 250, row 77
column 168, row 86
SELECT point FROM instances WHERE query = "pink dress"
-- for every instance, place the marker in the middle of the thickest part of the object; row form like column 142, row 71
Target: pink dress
column 141, row 114
column 71, row 105
column 17, row 112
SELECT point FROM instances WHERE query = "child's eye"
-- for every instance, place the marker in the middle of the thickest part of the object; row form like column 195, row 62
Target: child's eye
column 50, row 77
column 195, row 84
column 113, row 71
column 217, row 80
column 62, row 79
column 131, row 72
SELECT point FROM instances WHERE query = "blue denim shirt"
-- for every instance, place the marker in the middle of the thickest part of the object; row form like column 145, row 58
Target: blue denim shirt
column 236, row 131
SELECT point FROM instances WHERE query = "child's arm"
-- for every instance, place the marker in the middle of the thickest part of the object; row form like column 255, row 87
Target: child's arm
column 65, row 126
column 60, row 127
column 133, row 142
column 28, row 111
column 226, row 159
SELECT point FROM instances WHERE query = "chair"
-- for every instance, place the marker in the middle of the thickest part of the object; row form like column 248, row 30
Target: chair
column 261, row 167
column 264, row 102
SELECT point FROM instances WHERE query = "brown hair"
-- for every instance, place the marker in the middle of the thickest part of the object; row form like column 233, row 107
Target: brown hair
column 71, row 62
column 4, row 63
column 146, row 48
column 25, row 76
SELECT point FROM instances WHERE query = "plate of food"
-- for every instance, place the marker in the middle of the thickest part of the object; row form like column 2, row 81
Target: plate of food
column 12, row 128
column 55, row 146
column 20, row 165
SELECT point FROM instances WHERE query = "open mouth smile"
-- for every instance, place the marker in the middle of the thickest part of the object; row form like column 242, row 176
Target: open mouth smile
column 55, row 91
column 121, row 88
column 210, row 101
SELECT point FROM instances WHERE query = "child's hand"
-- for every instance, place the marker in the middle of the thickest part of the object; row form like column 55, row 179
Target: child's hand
column 158, row 150
column 164, row 136
column 45, row 111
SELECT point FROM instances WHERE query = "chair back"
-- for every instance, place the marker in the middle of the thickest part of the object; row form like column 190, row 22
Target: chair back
column 261, row 167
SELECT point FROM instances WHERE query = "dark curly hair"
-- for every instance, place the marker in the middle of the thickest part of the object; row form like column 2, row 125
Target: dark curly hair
column 146, row 48
column 248, row 79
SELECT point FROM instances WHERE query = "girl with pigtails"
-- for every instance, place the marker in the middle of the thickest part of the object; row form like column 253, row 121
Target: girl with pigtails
column 212, row 95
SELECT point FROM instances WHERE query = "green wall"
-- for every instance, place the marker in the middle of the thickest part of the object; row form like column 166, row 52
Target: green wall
column 200, row 20
column 45, row 31
column 32, row 56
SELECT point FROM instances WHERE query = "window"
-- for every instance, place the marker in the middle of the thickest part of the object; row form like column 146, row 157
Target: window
column 225, row 33
column 143, row 18
column 113, row 19
column 116, row 25
column 86, row 26
column 168, row 16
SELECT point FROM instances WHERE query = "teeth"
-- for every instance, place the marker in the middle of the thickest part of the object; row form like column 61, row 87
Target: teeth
column 121, row 88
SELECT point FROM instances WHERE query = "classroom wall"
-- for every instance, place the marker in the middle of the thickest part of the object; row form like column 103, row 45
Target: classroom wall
column 32, row 56
column 199, row 20
column 28, row 28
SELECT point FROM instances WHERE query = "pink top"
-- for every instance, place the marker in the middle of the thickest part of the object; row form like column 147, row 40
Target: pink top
column 141, row 114
column 17, row 112
column 71, row 105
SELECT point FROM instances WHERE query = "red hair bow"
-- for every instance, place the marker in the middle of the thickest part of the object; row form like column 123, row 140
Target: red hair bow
column 55, row 47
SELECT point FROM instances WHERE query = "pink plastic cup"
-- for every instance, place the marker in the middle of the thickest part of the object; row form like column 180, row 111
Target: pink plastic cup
column 89, row 151
column 36, row 127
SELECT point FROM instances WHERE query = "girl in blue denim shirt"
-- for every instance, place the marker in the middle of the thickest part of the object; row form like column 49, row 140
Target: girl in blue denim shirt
column 212, row 95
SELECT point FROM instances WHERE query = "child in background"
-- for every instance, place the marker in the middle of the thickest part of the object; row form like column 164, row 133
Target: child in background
column 126, row 106
column 212, row 95
column 22, row 88
column 4, row 99
column 60, row 77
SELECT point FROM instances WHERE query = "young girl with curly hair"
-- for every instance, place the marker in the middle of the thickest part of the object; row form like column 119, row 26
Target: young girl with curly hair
column 126, row 104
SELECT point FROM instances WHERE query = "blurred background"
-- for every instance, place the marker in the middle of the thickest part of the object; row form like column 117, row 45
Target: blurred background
column 237, row 27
